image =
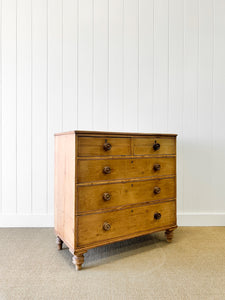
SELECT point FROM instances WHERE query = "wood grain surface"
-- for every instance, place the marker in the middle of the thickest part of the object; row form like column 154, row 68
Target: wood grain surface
column 91, row 197
column 144, row 146
column 65, row 188
column 92, row 170
column 124, row 222
column 94, row 146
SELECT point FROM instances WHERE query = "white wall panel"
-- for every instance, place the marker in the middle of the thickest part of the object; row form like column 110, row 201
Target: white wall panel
column 24, row 107
column 205, row 104
column 176, row 85
column 100, row 64
column 39, row 126
column 85, row 64
column 218, row 154
column 161, row 46
column 69, row 57
column 55, row 105
column 190, row 114
column 116, row 67
column 9, row 107
column 132, row 65
column 146, row 65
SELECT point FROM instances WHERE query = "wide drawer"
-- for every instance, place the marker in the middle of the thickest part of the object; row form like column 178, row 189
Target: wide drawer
column 154, row 145
column 105, row 196
column 110, row 169
column 103, row 226
column 103, row 146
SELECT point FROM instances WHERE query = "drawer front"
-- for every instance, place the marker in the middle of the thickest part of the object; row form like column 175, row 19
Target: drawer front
column 154, row 146
column 105, row 196
column 103, row 146
column 110, row 169
column 99, row 227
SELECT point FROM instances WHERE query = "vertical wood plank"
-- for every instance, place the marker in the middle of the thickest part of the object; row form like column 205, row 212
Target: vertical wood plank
column 190, row 104
column 176, row 86
column 100, row 65
column 55, row 121
column 85, row 65
column 39, row 107
column 218, row 106
column 131, row 63
column 116, row 64
column 146, row 65
column 24, row 107
column 205, row 96
column 69, row 65
column 160, row 101
column 9, row 107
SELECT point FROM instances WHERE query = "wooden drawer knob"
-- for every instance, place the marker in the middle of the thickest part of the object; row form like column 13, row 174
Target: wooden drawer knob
column 156, row 146
column 107, row 146
column 106, row 226
column 157, row 167
column 106, row 196
column 157, row 216
column 106, row 170
column 157, row 190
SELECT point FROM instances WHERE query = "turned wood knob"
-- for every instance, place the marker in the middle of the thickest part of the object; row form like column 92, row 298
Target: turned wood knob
column 157, row 190
column 156, row 146
column 106, row 196
column 157, row 216
column 106, row 226
column 157, row 167
column 107, row 146
column 106, row 170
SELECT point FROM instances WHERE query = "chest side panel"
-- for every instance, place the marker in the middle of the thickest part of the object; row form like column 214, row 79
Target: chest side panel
column 65, row 187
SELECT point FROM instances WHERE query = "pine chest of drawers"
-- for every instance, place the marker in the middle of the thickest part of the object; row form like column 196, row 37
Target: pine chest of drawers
column 111, row 187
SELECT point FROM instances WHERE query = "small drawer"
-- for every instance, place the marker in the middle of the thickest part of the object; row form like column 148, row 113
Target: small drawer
column 103, row 146
column 105, row 196
column 155, row 145
column 111, row 225
column 110, row 169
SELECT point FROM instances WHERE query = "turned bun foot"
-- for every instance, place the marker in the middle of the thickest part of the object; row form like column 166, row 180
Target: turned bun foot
column 59, row 242
column 169, row 235
column 78, row 260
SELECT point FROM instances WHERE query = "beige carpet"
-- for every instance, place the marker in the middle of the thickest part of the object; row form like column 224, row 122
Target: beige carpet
column 191, row 267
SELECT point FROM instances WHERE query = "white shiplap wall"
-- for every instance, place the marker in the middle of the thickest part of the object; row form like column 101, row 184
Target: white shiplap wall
column 119, row 65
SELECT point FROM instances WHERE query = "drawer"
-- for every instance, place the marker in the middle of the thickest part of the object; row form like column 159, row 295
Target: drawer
column 105, row 196
column 154, row 145
column 103, row 226
column 103, row 146
column 110, row 169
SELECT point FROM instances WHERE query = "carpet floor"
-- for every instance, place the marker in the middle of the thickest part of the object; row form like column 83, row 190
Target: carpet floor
column 191, row 267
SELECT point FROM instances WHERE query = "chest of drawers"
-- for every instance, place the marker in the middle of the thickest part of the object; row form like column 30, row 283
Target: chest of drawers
column 111, row 187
